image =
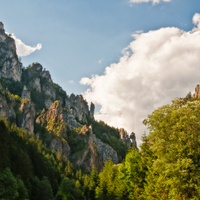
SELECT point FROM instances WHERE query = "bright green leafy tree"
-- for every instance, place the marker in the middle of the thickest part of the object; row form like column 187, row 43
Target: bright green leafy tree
column 174, row 140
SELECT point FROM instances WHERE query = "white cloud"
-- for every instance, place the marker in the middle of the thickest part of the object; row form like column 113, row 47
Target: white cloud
column 153, row 1
column 23, row 49
column 196, row 20
column 163, row 64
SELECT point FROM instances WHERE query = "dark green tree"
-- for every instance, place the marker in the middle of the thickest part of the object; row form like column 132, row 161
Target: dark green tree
column 22, row 191
column 69, row 191
column 8, row 185
column 46, row 192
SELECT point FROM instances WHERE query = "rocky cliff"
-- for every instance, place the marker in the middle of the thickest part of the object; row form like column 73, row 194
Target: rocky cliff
column 10, row 67
column 65, row 124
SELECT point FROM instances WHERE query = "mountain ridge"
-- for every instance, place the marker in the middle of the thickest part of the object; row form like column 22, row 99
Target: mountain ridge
column 42, row 108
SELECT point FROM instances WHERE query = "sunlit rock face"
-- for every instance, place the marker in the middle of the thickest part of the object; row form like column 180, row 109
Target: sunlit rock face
column 10, row 67
column 197, row 92
column 129, row 140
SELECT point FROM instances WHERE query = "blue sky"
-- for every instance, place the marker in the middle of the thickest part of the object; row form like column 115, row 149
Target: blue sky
column 85, row 38
column 80, row 38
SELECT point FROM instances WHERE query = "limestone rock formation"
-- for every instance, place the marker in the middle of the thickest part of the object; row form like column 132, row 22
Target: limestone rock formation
column 61, row 146
column 47, row 87
column 6, row 109
column 54, row 119
column 10, row 67
column 106, row 151
column 197, row 92
column 130, row 141
column 79, row 107
column 55, row 122
column 90, row 156
column 35, row 84
column 48, row 103
column 40, row 80
column 26, row 93
column 26, row 120
column 92, row 107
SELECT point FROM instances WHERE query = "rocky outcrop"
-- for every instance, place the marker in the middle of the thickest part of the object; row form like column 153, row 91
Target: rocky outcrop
column 92, row 107
column 26, row 93
column 90, row 156
column 61, row 146
column 54, row 119
column 40, row 80
column 106, row 151
column 10, row 67
column 55, row 122
column 48, row 103
column 6, row 109
column 47, row 86
column 26, row 120
column 130, row 141
column 35, row 84
column 78, row 108
column 197, row 92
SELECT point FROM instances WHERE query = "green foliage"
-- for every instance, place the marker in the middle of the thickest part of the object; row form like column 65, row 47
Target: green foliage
column 68, row 190
column 8, row 185
column 77, row 145
column 28, row 158
column 93, row 183
column 14, row 87
column 60, row 93
column 46, row 192
column 106, row 188
column 21, row 189
column 132, row 175
column 175, row 144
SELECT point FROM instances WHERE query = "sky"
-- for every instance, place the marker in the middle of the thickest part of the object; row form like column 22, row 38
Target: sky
column 129, row 57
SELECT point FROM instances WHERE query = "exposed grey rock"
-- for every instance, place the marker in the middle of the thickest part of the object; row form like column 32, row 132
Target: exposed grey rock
column 47, row 76
column 106, row 151
column 26, row 120
column 61, row 146
column 6, row 109
column 92, row 107
column 133, row 140
column 35, row 70
column 130, row 141
column 90, row 157
column 10, row 67
column 79, row 107
column 1, row 26
column 71, row 121
column 26, row 94
column 48, row 103
column 35, row 84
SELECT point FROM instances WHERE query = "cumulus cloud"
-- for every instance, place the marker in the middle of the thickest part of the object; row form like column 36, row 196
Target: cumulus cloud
column 196, row 20
column 153, row 1
column 23, row 49
column 156, row 67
